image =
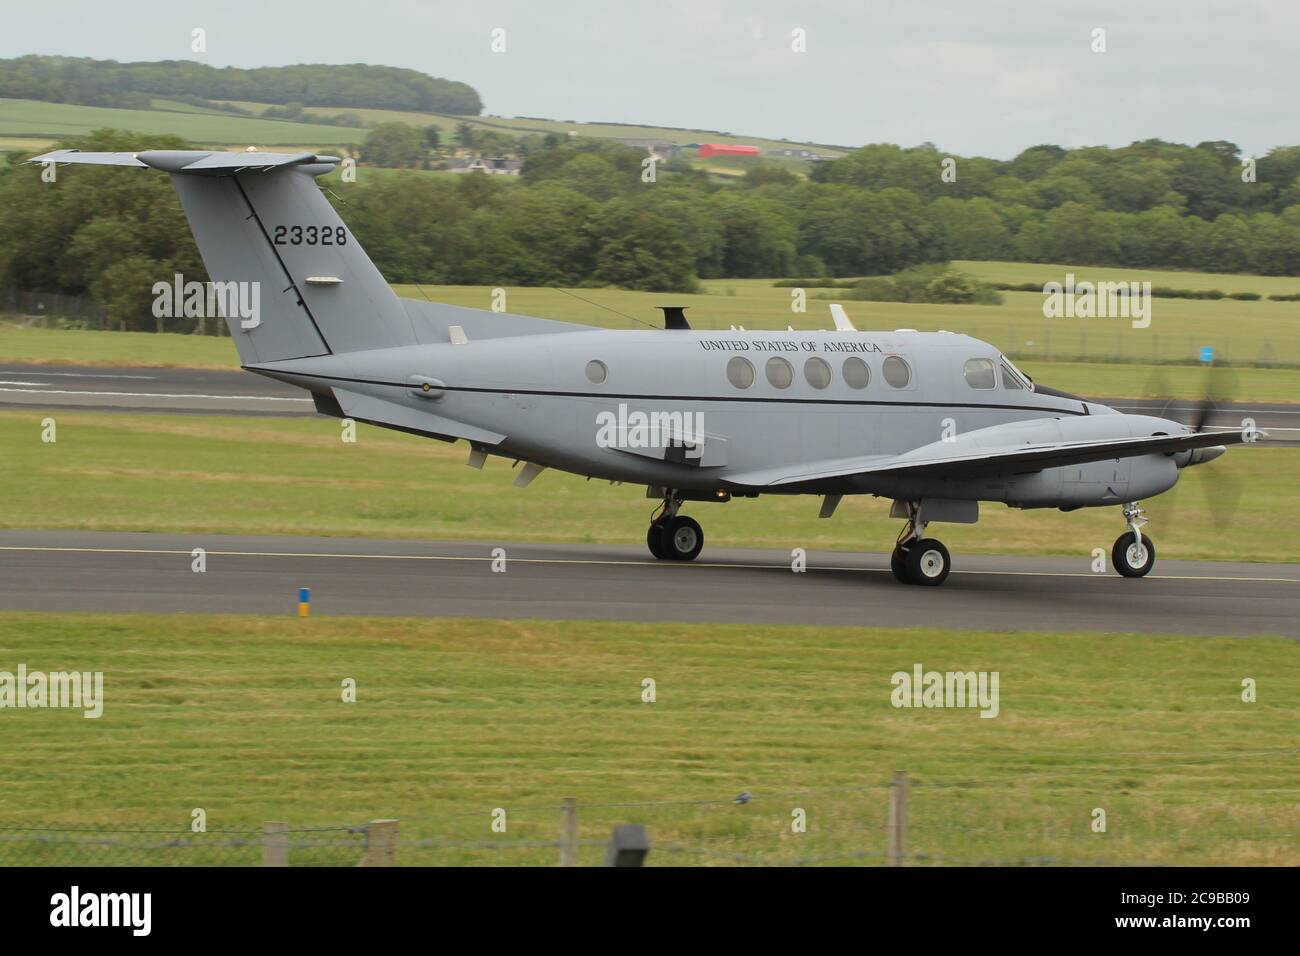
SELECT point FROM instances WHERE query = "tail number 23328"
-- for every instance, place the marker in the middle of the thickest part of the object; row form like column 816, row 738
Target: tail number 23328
column 311, row 236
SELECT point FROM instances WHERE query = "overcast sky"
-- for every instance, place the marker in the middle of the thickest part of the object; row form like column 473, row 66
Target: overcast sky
column 986, row 77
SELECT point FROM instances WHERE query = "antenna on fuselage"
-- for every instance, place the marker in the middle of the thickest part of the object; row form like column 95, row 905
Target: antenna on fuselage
column 675, row 316
column 842, row 321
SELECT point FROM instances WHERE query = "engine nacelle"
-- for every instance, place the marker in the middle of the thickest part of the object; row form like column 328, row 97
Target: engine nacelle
column 1093, row 483
column 1110, row 481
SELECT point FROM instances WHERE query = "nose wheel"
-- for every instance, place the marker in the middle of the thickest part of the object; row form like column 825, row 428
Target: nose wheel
column 1133, row 554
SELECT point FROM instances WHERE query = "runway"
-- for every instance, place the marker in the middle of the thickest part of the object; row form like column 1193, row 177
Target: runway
column 216, row 391
column 76, row 571
column 235, row 392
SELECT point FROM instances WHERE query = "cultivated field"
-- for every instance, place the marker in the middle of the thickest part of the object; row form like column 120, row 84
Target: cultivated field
column 242, row 717
column 27, row 119
column 200, row 473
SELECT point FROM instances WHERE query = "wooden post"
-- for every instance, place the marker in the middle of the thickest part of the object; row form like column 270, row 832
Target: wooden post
column 897, row 817
column 381, row 843
column 569, row 832
column 275, row 844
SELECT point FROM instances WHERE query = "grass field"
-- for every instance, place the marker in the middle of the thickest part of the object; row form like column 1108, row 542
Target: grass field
column 186, row 473
column 242, row 717
column 1095, row 357
column 1040, row 272
column 1242, row 333
column 56, row 346
column 28, row 118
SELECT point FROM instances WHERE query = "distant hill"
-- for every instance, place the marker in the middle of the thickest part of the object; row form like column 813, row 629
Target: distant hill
column 88, row 82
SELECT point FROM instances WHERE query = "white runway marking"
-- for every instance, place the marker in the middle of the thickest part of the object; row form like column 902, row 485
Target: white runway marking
column 249, row 398
column 27, row 371
column 623, row 563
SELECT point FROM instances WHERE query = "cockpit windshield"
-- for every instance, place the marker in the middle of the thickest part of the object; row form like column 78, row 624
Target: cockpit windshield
column 1013, row 378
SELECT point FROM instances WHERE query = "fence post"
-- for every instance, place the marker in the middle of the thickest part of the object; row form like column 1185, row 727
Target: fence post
column 275, row 844
column 381, row 843
column 897, row 817
column 628, row 846
column 569, row 832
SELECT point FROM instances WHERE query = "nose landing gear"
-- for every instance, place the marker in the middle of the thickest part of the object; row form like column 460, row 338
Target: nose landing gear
column 1133, row 554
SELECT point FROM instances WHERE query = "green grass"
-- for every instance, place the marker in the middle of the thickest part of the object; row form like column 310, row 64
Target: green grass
column 1094, row 379
column 94, row 347
column 242, row 717
column 523, row 126
column 32, row 118
column 29, row 118
column 186, row 473
column 1226, row 282
column 1242, row 333
column 1095, row 357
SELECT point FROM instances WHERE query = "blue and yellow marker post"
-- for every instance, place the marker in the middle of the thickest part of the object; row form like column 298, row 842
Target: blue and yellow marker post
column 304, row 602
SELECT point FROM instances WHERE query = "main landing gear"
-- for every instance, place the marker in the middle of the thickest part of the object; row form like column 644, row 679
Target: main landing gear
column 673, row 536
column 1133, row 554
column 916, row 558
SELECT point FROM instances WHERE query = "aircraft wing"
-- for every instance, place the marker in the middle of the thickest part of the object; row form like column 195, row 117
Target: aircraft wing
column 939, row 460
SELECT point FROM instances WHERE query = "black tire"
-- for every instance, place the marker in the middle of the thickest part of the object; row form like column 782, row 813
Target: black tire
column 683, row 538
column 928, row 562
column 898, row 564
column 1126, row 561
column 654, row 540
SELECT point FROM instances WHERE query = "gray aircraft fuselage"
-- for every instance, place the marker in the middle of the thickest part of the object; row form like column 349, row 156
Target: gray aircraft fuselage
column 535, row 391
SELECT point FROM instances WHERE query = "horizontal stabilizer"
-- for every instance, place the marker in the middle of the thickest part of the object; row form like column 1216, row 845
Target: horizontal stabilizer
column 377, row 411
column 189, row 161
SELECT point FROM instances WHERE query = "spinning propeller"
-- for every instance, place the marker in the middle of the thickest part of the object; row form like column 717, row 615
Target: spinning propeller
column 1222, row 487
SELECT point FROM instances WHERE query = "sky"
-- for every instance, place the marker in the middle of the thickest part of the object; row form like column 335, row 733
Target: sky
column 985, row 77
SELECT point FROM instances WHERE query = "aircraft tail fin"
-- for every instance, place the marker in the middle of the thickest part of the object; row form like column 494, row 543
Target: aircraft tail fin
column 287, row 275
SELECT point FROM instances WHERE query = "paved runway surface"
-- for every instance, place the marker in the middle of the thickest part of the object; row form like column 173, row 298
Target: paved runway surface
column 242, row 393
column 150, row 389
column 75, row 571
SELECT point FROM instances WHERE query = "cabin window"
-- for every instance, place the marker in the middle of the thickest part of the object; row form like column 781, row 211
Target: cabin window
column 980, row 373
column 596, row 372
column 896, row 371
column 856, row 373
column 1010, row 379
column 817, row 372
column 780, row 373
column 740, row 373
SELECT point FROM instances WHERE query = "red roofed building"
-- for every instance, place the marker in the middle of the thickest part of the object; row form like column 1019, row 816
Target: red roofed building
column 725, row 149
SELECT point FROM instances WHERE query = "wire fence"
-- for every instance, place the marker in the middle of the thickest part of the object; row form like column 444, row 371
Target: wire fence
column 909, row 820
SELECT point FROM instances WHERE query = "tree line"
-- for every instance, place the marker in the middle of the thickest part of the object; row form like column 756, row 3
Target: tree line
column 90, row 82
column 584, row 214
